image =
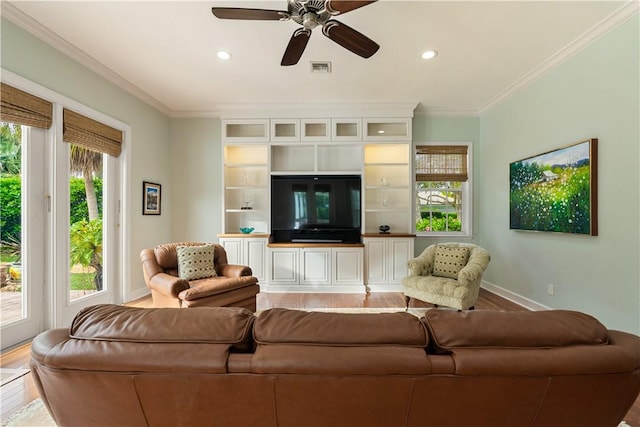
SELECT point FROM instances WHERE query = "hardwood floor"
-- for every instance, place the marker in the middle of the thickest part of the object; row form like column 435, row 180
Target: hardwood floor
column 21, row 391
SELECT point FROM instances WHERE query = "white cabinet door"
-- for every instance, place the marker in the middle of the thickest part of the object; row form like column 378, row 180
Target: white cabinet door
column 347, row 266
column 386, row 259
column 233, row 248
column 251, row 251
column 376, row 261
column 399, row 252
column 255, row 251
column 315, row 266
column 284, row 266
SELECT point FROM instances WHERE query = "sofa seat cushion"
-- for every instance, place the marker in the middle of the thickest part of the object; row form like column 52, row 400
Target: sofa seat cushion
column 108, row 322
column 451, row 330
column 284, row 326
column 437, row 285
column 340, row 360
column 215, row 285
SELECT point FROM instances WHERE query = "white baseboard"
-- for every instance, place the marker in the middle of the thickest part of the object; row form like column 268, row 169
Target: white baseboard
column 513, row 297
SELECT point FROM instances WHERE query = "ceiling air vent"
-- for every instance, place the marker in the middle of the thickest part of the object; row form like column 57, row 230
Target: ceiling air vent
column 321, row 67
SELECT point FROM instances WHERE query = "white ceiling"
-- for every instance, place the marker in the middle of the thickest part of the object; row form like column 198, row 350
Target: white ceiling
column 164, row 51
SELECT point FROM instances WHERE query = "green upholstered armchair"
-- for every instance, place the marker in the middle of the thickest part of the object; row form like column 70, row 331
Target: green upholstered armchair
column 447, row 274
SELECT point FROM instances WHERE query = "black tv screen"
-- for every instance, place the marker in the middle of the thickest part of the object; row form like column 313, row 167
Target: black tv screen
column 315, row 208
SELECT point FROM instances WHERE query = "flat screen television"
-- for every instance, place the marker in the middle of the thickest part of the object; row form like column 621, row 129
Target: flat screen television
column 315, row 208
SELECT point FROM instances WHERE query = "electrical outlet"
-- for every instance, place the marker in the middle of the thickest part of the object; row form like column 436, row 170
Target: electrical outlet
column 551, row 289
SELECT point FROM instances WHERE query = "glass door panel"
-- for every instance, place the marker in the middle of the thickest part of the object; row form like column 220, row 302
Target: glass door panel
column 22, row 231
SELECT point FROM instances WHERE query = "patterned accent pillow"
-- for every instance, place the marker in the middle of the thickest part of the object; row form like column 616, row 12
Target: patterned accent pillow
column 195, row 262
column 449, row 261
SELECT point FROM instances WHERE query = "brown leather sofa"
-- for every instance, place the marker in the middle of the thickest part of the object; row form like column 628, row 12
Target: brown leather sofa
column 122, row 366
column 234, row 285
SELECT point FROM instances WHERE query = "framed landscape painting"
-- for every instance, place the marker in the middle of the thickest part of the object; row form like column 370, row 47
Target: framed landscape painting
column 556, row 191
column 151, row 198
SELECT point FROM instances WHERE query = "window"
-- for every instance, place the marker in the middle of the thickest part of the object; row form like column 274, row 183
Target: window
column 443, row 188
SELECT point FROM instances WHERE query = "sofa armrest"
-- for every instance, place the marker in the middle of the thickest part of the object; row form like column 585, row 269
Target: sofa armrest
column 234, row 270
column 419, row 266
column 215, row 285
column 167, row 284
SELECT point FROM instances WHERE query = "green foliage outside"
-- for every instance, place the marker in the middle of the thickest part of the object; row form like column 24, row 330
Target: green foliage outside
column 10, row 204
column 438, row 221
column 10, row 208
column 78, row 198
column 86, row 247
column 82, row 281
column 10, row 149
column 561, row 204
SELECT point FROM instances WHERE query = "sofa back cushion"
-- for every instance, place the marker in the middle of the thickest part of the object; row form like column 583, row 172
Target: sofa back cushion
column 449, row 329
column 284, row 326
column 317, row 343
column 213, row 325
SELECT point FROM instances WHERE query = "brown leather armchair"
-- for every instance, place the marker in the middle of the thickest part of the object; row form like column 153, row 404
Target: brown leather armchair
column 234, row 285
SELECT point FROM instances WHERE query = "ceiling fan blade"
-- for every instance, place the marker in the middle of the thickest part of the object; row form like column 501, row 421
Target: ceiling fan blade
column 349, row 38
column 336, row 7
column 296, row 46
column 251, row 14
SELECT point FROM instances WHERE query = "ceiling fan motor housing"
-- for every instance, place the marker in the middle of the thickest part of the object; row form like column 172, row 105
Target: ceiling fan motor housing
column 309, row 13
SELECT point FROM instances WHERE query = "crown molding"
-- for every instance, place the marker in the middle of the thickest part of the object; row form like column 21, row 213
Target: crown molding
column 615, row 19
column 15, row 15
column 440, row 112
column 618, row 17
column 303, row 111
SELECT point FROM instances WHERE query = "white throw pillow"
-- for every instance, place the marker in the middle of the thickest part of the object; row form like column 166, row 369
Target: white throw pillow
column 195, row 262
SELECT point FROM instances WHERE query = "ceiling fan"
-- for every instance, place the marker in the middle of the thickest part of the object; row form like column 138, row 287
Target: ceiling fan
column 310, row 14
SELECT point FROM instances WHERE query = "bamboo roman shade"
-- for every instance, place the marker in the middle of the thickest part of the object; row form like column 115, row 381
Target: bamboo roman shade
column 22, row 108
column 441, row 163
column 91, row 134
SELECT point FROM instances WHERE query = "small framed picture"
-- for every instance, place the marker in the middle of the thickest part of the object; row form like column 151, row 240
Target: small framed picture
column 151, row 198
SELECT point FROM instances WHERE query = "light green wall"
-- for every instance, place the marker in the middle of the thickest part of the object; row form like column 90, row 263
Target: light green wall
column 31, row 58
column 594, row 94
column 450, row 129
column 196, row 175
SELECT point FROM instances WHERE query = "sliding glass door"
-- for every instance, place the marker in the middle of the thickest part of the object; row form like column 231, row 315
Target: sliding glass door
column 23, row 223
column 61, row 240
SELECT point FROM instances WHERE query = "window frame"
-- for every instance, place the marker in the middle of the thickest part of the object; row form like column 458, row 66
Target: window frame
column 467, row 193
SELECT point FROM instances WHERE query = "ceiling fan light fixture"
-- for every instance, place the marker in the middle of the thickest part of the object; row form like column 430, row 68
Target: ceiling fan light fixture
column 223, row 55
column 429, row 54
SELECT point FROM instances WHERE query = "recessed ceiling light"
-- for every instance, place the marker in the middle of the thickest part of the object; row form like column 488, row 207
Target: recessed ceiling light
column 429, row 54
column 225, row 56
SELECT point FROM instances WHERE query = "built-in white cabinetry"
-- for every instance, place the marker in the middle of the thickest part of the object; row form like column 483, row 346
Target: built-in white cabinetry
column 315, row 129
column 346, row 129
column 248, row 250
column 246, row 187
column 377, row 149
column 285, row 130
column 386, row 261
column 387, row 188
column 302, row 158
column 323, row 268
column 245, row 130
column 386, row 129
